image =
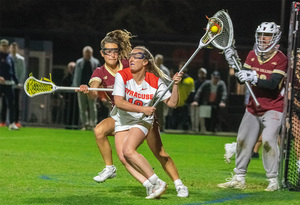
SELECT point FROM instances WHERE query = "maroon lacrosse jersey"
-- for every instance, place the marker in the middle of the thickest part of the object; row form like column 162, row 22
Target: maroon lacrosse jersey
column 268, row 99
column 107, row 78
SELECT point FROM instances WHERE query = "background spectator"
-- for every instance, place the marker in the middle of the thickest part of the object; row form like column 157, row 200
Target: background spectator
column 70, row 100
column 213, row 93
column 180, row 118
column 162, row 109
column 84, row 69
column 194, row 110
column 7, row 80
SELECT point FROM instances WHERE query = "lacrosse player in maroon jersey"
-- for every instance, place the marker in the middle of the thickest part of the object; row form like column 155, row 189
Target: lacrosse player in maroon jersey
column 265, row 68
column 115, row 48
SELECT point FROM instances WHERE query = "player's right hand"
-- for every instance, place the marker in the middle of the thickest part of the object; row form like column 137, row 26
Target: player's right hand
column 2, row 80
column 147, row 110
column 194, row 103
column 230, row 53
column 83, row 88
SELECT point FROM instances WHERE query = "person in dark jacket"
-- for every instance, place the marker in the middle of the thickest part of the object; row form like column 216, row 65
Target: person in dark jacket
column 7, row 80
column 212, row 92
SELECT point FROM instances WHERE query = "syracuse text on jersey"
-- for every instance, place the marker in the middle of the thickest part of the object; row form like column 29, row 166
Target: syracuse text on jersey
column 138, row 95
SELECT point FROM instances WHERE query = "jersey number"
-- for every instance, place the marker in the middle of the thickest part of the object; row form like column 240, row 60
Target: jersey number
column 136, row 102
column 262, row 77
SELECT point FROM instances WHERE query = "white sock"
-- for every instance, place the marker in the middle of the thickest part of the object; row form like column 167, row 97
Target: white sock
column 109, row 167
column 147, row 183
column 178, row 182
column 153, row 179
column 240, row 177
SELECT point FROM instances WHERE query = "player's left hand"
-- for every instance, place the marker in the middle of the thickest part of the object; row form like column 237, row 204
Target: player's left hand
column 177, row 78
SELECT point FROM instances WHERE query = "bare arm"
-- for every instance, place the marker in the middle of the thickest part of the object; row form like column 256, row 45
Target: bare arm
column 92, row 94
column 121, row 103
column 173, row 100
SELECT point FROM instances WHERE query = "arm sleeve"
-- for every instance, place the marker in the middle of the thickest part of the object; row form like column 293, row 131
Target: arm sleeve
column 96, row 76
column 119, row 87
column 272, row 83
column 161, row 88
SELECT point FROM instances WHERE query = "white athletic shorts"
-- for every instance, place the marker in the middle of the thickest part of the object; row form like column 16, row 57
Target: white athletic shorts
column 142, row 125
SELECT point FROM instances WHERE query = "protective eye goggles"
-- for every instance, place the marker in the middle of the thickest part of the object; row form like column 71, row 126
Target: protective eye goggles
column 138, row 55
column 110, row 51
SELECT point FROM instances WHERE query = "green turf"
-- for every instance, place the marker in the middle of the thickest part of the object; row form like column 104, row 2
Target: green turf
column 56, row 166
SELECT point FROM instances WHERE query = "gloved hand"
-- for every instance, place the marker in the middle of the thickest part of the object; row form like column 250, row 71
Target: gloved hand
column 247, row 75
column 232, row 53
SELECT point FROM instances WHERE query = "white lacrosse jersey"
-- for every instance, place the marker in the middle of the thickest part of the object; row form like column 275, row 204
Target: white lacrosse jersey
column 144, row 94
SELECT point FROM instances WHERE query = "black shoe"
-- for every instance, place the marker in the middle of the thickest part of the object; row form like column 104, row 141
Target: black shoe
column 255, row 155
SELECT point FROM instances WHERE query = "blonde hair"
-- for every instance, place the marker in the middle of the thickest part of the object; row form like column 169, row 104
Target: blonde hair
column 122, row 39
column 151, row 66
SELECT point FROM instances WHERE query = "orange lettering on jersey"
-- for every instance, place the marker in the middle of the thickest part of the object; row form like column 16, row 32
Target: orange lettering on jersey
column 138, row 95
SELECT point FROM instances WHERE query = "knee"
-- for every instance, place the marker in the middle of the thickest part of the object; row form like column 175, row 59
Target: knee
column 128, row 153
column 99, row 132
column 122, row 159
column 267, row 145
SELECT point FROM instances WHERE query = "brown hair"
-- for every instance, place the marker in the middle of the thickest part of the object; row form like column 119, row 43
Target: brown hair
column 122, row 39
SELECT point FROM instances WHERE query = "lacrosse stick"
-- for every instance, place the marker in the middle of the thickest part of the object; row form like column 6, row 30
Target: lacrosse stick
column 225, row 40
column 34, row 87
column 208, row 37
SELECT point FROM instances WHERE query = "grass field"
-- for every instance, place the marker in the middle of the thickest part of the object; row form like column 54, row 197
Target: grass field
column 56, row 166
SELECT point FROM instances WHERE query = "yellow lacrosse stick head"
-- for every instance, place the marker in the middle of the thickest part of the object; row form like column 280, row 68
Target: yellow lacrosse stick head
column 34, row 87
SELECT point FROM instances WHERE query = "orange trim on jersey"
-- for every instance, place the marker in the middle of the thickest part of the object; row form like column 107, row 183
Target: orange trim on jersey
column 150, row 78
column 126, row 74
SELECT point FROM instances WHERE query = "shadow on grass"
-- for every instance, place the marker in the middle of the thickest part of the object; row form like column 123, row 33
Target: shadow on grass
column 112, row 195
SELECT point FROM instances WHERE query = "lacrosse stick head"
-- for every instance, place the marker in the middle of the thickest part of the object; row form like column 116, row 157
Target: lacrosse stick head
column 210, row 34
column 225, row 38
column 34, row 87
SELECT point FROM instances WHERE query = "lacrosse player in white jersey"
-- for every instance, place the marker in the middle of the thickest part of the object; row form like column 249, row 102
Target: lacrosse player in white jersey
column 135, row 91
